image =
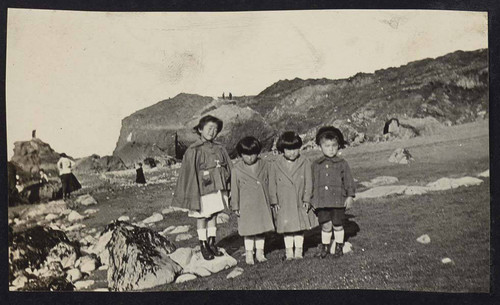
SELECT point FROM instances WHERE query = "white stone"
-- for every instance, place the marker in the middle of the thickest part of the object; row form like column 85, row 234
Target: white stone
column 182, row 256
column 20, row 281
column 446, row 260
column 75, row 227
column 381, row 180
column 183, row 236
column 88, row 264
column 176, row 229
column 222, row 218
column 180, row 209
column 123, row 218
column 103, row 267
column 91, row 211
column 83, row 284
column 185, row 277
column 485, row 174
column 73, row 275
column 424, row 239
column 347, row 247
column 101, row 290
column 451, row 183
column 51, row 217
column 235, row 272
column 199, row 266
column 167, row 210
column 86, row 200
column 382, row 191
column 75, row 216
column 153, row 218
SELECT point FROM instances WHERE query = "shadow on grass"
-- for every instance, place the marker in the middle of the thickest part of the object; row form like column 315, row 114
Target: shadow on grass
column 275, row 241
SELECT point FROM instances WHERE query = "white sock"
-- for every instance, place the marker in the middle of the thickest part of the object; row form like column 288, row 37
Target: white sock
column 249, row 243
column 259, row 243
column 298, row 240
column 339, row 236
column 289, row 241
column 326, row 237
column 202, row 234
column 212, row 231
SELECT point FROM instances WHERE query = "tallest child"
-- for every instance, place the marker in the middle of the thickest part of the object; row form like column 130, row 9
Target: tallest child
column 204, row 183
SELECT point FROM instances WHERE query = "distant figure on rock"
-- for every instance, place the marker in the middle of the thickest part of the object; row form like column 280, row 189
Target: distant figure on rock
column 68, row 180
column 203, row 183
column 139, row 177
column 223, row 96
column 230, row 96
column 33, row 134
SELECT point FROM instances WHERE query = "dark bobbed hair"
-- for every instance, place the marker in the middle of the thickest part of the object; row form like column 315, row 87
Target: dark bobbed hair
column 207, row 119
column 330, row 133
column 248, row 146
column 288, row 140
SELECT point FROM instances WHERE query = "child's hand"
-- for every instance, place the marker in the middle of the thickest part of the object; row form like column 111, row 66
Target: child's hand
column 348, row 203
column 237, row 212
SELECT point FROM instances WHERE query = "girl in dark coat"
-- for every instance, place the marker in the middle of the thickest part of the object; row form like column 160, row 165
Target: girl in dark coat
column 250, row 198
column 204, row 183
column 139, row 177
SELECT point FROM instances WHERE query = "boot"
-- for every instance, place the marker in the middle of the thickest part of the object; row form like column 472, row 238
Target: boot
column 205, row 250
column 298, row 253
column 249, row 257
column 323, row 251
column 288, row 254
column 213, row 247
column 260, row 256
column 339, row 250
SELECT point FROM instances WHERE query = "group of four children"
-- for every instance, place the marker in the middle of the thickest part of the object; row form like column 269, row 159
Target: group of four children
column 299, row 193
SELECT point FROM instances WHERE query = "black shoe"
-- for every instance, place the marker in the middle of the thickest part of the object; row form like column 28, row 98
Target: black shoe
column 323, row 251
column 213, row 247
column 205, row 250
column 339, row 250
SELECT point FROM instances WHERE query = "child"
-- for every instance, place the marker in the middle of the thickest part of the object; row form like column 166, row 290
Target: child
column 203, row 183
column 290, row 188
column 250, row 198
column 333, row 189
column 139, row 174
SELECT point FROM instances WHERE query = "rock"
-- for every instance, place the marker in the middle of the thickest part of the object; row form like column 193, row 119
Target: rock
column 75, row 227
column 182, row 256
column 176, row 230
column 100, row 248
column 138, row 258
column 401, row 156
column 103, row 267
column 20, row 281
column 86, row 200
column 382, row 191
column 424, row 239
column 235, row 272
column 222, row 218
column 183, row 236
column 485, row 174
column 65, row 253
column 90, row 211
column 101, row 290
column 153, row 218
column 53, row 207
column 446, row 260
column 73, row 275
column 167, row 210
column 123, row 218
column 52, row 269
column 51, row 217
column 83, row 284
column 177, row 209
column 185, row 277
column 75, row 216
column 347, row 247
column 381, row 180
column 202, row 267
column 416, row 190
column 451, row 183
column 88, row 263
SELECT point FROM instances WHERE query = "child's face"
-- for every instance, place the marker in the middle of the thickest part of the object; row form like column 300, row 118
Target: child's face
column 330, row 148
column 209, row 131
column 249, row 159
column 291, row 154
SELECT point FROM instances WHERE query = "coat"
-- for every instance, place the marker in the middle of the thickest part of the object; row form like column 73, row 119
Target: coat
column 206, row 168
column 290, row 188
column 250, row 196
column 332, row 182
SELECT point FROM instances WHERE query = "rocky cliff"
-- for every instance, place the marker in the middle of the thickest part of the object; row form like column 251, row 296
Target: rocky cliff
column 450, row 89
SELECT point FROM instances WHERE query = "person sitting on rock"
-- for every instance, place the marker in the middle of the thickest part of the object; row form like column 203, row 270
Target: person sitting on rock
column 139, row 177
column 204, row 183
column 250, row 198
column 68, row 180
column 43, row 177
column 333, row 189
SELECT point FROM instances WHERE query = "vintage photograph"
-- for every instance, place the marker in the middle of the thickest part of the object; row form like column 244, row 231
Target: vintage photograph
column 255, row 150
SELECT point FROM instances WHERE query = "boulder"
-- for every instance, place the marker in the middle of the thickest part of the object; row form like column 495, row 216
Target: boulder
column 424, row 239
column 401, row 156
column 382, row 191
column 85, row 200
column 185, row 277
column 20, row 281
column 183, row 236
column 237, row 271
column 52, row 269
column 182, row 256
column 138, row 259
column 64, row 252
column 75, row 216
column 153, row 218
column 97, row 164
column 73, row 275
column 381, row 180
column 30, row 156
column 88, row 263
column 222, row 218
column 201, row 267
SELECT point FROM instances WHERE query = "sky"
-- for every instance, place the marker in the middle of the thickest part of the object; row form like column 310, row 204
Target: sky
column 73, row 76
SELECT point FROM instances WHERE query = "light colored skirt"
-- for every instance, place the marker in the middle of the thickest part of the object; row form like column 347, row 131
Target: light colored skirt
column 210, row 204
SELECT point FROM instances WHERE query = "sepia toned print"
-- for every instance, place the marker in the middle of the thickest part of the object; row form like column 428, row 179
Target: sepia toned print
column 135, row 142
